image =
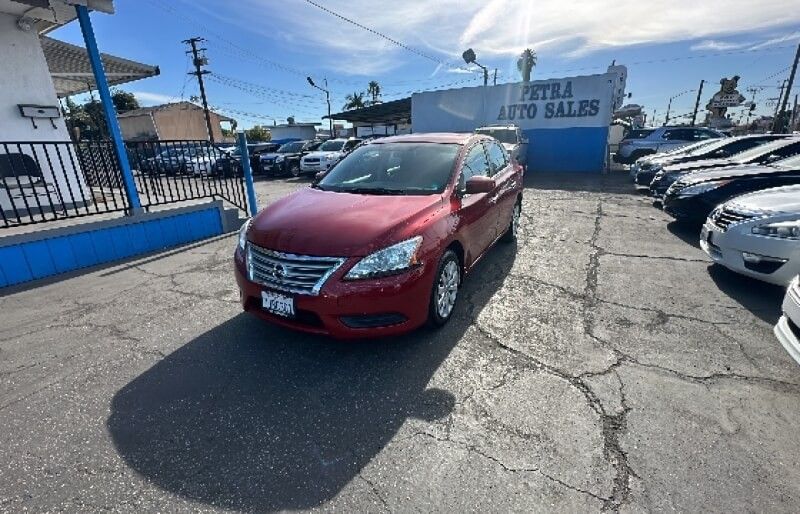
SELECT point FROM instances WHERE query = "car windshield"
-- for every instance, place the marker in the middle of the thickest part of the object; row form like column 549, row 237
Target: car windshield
column 503, row 135
column 792, row 162
column 393, row 168
column 755, row 153
column 706, row 146
column 291, row 147
column 332, row 146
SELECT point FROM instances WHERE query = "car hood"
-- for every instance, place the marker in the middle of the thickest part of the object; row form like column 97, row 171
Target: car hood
column 731, row 172
column 270, row 155
column 328, row 224
column 322, row 154
column 696, row 165
column 777, row 199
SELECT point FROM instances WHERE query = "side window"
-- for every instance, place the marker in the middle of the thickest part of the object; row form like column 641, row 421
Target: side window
column 787, row 151
column 700, row 135
column 679, row 135
column 474, row 164
column 350, row 145
column 497, row 157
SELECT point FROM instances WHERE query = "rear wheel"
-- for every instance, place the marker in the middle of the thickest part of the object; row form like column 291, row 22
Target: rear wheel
column 445, row 289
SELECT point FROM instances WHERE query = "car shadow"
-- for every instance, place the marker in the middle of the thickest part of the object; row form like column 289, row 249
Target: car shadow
column 253, row 417
column 762, row 299
column 689, row 233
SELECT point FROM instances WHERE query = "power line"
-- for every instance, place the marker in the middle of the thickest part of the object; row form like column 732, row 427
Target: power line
column 387, row 38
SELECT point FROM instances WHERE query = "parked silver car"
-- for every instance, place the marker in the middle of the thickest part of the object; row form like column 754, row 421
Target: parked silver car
column 788, row 327
column 662, row 139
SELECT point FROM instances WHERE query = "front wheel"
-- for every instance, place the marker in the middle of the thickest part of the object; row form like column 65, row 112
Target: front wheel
column 294, row 169
column 445, row 289
column 512, row 231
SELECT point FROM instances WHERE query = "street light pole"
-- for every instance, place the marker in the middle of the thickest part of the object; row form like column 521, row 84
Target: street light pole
column 328, row 100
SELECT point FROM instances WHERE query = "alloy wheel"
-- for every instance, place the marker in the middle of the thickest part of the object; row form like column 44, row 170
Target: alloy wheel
column 447, row 289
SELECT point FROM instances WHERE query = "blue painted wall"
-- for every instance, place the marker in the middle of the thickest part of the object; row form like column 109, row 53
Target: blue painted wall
column 59, row 254
column 576, row 149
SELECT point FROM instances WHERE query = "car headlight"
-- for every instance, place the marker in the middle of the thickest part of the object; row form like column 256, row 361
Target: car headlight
column 781, row 229
column 279, row 158
column 390, row 260
column 704, row 187
column 243, row 234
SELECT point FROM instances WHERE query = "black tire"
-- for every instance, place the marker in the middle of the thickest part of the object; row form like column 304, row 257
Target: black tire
column 294, row 169
column 511, row 233
column 435, row 317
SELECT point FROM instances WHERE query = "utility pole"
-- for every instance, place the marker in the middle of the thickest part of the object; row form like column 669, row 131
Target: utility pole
column 200, row 61
column 781, row 125
column 794, row 115
column 697, row 102
column 778, row 107
column 495, row 76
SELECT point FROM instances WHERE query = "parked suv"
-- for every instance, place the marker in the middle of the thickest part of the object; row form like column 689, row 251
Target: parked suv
column 660, row 140
column 329, row 153
column 286, row 159
column 512, row 139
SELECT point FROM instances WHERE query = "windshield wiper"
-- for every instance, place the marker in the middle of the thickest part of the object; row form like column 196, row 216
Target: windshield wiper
column 373, row 191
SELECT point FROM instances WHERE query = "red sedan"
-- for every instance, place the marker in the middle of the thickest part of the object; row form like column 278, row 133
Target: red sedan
column 380, row 245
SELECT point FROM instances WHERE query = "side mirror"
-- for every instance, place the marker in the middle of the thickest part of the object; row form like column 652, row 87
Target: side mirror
column 479, row 184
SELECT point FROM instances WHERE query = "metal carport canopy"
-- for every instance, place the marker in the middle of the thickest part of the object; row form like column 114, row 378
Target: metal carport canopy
column 72, row 73
column 396, row 111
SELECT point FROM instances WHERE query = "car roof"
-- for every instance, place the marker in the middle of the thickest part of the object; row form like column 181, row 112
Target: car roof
column 429, row 137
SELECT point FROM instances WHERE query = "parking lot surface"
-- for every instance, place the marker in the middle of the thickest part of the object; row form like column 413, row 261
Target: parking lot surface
column 602, row 364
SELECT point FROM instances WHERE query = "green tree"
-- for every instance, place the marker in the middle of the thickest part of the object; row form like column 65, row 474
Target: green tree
column 526, row 63
column 354, row 101
column 124, row 101
column 374, row 90
column 258, row 133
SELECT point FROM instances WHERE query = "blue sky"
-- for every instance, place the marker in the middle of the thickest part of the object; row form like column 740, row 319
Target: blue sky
column 261, row 50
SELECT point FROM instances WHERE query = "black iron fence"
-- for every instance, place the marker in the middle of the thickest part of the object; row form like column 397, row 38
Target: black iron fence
column 51, row 180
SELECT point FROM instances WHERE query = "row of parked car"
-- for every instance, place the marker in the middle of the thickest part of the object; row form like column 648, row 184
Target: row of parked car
column 294, row 158
column 743, row 194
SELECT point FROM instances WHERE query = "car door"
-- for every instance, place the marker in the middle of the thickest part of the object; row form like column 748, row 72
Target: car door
column 506, row 177
column 477, row 211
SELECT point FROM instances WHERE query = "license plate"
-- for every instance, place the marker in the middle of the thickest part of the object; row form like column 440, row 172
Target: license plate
column 277, row 303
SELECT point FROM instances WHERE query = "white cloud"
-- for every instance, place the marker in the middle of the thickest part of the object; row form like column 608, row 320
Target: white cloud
column 794, row 36
column 714, row 45
column 501, row 28
column 147, row 99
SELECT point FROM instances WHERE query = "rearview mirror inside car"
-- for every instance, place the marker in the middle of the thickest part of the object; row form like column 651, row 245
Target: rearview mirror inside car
column 479, row 184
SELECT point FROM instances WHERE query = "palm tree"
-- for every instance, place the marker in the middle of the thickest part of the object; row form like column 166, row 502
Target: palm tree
column 354, row 101
column 525, row 64
column 374, row 90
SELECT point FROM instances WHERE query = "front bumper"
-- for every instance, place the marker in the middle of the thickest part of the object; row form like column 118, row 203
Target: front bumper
column 645, row 177
column 687, row 209
column 787, row 330
column 272, row 167
column 727, row 248
column 400, row 297
column 314, row 167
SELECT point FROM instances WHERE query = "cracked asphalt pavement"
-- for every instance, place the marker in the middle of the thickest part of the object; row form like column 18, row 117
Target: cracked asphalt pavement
column 601, row 365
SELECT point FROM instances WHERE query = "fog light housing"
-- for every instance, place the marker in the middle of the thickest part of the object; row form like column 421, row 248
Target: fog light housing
column 762, row 263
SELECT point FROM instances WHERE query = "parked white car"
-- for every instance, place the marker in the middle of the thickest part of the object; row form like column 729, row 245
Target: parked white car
column 757, row 234
column 328, row 154
column 787, row 330
column 203, row 161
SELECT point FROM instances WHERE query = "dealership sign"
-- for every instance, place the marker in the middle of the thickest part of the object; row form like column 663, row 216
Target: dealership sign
column 726, row 100
column 560, row 103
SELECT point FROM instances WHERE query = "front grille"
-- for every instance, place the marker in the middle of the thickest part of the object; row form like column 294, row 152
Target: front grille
column 301, row 274
column 312, row 160
column 723, row 217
